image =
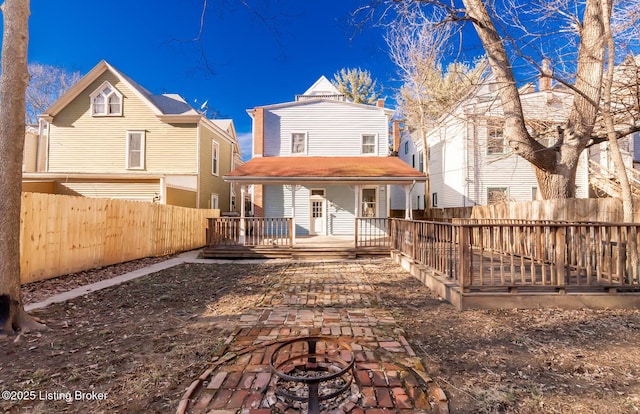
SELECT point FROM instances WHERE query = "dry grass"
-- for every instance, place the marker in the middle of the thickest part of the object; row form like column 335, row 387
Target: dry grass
column 143, row 342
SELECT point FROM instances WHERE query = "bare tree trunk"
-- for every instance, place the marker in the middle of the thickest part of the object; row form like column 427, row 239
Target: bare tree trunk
column 426, row 172
column 15, row 79
column 555, row 166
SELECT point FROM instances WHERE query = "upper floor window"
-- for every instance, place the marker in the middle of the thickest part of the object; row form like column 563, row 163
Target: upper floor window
column 298, row 143
column 406, row 147
column 544, row 132
column 215, row 158
column 106, row 101
column 369, row 144
column 495, row 138
column 421, row 161
column 496, row 195
column 135, row 150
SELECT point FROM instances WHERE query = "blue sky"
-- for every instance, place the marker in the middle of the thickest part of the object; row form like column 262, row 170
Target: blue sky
column 258, row 57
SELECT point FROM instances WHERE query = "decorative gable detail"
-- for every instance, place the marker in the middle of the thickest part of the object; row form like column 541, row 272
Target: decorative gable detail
column 106, row 101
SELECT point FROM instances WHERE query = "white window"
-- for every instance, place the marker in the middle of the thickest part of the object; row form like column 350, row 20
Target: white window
column 496, row 195
column 215, row 158
column 135, row 150
column 106, row 101
column 298, row 143
column 495, row 138
column 214, row 200
column 421, row 161
column 406, row 147
column 369, row 144
column 369, row 202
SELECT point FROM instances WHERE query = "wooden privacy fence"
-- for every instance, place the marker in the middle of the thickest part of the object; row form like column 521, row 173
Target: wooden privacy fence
column 513, row 254
column 65, row 234
column 249, row 231
column 603, row 210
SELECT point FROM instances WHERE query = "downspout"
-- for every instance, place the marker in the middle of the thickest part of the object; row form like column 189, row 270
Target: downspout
column 163, row 190
column 198, row 155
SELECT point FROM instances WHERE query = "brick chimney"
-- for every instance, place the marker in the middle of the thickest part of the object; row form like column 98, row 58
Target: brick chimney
column 380, row 103
column 396, row 136
column 258, row 132
column 545, row 76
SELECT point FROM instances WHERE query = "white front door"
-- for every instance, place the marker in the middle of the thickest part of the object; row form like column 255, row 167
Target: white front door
column 317, row 210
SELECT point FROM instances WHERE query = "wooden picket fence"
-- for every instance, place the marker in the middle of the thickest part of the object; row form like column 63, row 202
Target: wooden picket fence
column 65, row 234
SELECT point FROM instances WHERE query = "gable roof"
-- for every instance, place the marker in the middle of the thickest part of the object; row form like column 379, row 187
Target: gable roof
column 356, row 169
column 322, row 87
column 165, row 104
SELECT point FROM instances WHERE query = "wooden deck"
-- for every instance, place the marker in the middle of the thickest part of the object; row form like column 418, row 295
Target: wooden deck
column 471, row 263
column 498, row 264
column 305, row 248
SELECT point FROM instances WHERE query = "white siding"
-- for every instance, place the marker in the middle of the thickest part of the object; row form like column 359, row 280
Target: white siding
column 333, row 128
column 409, row 152
column 461, row 171
column 449, row 164
column 340, row 210
column 339, row 203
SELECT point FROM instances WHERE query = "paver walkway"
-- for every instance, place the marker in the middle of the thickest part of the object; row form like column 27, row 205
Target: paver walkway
column 331, row 299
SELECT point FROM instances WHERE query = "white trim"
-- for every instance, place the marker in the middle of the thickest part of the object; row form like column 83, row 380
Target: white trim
column 323, row 199
column 215, row 201
column 99, row 91
column 198, row 166
column 215, row 155
column 143, row 140
column 375, row 144
column 376, row 202
column 306, row 143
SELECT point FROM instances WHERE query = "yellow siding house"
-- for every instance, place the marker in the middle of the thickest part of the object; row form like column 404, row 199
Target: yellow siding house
column 109, row 137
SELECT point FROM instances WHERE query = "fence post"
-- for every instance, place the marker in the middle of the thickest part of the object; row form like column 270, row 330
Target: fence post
column 414, row 247
column 290, row 222
column 355, row 223
column 561, row 255
column 465, row 256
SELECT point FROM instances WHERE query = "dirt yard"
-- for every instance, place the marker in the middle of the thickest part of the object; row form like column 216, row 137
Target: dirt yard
column 136, row 347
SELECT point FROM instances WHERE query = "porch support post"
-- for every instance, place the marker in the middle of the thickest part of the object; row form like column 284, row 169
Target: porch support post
column 408, row 213
column 293, row 214
column 356, row 210
column 242, row 220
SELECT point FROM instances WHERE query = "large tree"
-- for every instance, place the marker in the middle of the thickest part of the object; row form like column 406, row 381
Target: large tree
column 428, row 90
column 357, row 85
column 46, row 84
column 575, row 35
column 13, row 85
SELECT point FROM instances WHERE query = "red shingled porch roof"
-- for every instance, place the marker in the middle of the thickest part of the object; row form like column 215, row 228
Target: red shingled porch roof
column 388, row 170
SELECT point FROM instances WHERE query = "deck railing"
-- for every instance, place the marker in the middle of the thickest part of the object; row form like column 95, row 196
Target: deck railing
column 372, row 232
column 513, row 254
column 249, row 231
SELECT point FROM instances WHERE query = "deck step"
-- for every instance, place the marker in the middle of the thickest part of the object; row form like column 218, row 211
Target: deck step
column 303, row 253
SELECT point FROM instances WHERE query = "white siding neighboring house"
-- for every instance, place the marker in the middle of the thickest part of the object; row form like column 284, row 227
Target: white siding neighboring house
column 602, row 168
column 470, row 162
column 323, row 161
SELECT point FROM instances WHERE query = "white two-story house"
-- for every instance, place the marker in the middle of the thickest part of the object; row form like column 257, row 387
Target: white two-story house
column 469, row 160
column 322, row 161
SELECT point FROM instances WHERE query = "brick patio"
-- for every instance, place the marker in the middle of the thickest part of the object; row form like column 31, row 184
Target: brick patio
column 331, row 299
